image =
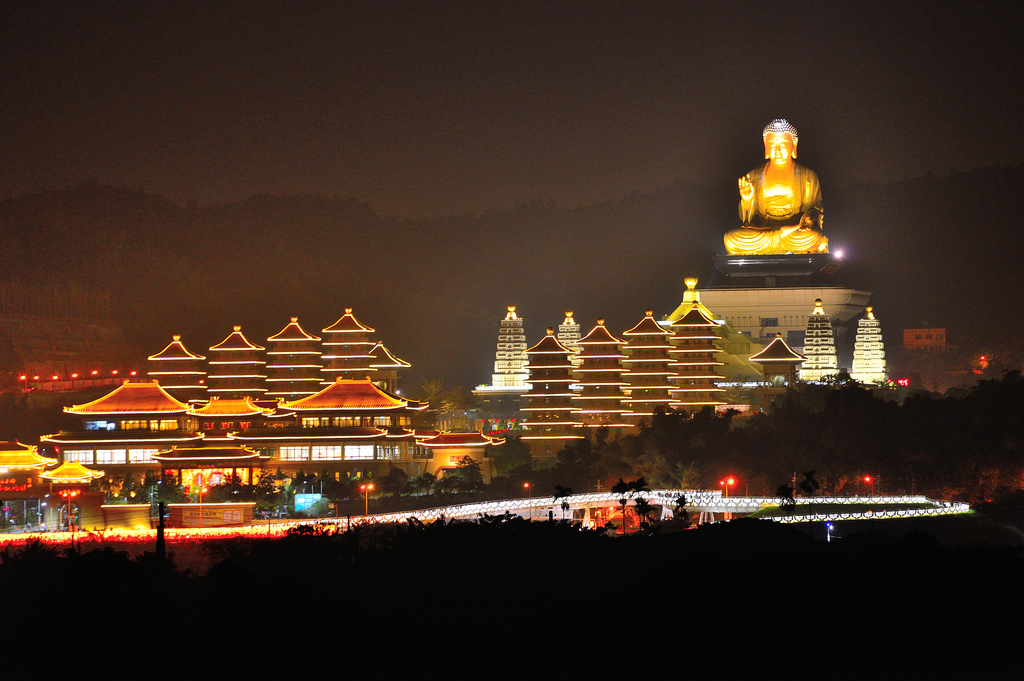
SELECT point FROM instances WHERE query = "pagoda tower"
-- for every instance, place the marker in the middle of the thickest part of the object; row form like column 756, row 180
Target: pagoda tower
column 648, row 369
column 179, row 371
column 868, row 350
column 599, row 375
column 293, row 367
column 347, row 350
column 819, row 346
column 236, row 368
column 550, row 414
column 694, row 353
column 510, row 360
column 780, row 365
column 569, row 335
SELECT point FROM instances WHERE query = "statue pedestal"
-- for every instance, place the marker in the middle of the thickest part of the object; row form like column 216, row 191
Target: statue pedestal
column 761, row 295
column 773, row 270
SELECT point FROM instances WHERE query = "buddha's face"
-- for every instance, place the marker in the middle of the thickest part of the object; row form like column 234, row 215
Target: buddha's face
column 779, row 147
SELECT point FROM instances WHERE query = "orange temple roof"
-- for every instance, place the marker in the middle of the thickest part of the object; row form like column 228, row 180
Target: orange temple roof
column 236, row 341
column 599, row 335
column 222, row 406
column 647, row 327
column 144, row 397
column 14, row 455
column 777, row 351
column 549, row 345
column 347, row 324
column 695, row 317
column 353, row 394
column 461, row 440
column 71, row 472
column 228, row 453
column 175, row 350
column 293, row 332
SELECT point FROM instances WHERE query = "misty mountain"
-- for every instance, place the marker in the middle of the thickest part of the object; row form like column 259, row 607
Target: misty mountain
column 435, row 289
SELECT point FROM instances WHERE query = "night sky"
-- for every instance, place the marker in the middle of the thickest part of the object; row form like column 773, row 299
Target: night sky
column 430, row 109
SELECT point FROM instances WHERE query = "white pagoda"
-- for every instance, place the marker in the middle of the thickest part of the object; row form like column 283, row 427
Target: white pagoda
column 510, row 361
column 868, row 350
column 819, row 346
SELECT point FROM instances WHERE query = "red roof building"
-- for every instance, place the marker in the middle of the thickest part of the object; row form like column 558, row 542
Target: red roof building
column 550, row 414
column 599, row 373
column 128, row 426
column 237, row 367
column 780, row 365
column 179, row 371
column 294, row 368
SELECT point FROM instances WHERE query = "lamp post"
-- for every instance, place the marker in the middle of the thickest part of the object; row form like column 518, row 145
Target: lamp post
column 366, row 497
column 529, row 491
column 726, row 483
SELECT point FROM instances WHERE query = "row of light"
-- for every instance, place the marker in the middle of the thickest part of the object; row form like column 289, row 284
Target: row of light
column 95, row 373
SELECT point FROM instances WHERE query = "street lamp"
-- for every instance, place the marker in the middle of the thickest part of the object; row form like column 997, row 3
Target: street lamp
column 870, row 481
column 726, row 483
column 529, row 490
column 366, row 497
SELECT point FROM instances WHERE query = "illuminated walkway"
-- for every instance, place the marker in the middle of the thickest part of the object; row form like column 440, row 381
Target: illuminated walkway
column 704, row 503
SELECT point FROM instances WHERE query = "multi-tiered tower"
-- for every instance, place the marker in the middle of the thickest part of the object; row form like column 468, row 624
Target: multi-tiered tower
column 294, row 368
column 695, row 361
column 236, row 367
column 648, row 370
column 551, row 416
column 347, row 350
column 819, row 346
column 868, row 350
column 510, row 360
column 179, row 371
column 599, row 375
column 569, row 336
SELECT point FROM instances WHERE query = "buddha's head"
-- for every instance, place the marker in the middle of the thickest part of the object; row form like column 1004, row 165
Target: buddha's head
column 780, row 139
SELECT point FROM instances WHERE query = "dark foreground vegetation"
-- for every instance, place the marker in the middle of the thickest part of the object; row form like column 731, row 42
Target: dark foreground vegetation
column 489, row 599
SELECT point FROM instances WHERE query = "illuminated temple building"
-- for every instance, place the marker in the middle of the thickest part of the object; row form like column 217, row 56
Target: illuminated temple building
column 869, row 350
column 648, row 369
column 236, row 367
column 568, row 334
column 501, row 401
column 599, row 375
column 510, row 360
column 179, row 371
column 293, row 369
column 300, row 404
column 780, row 367
column 139, row 426
column 347, row 349
column 695, row 361
column 551, row 415
column 819, row 346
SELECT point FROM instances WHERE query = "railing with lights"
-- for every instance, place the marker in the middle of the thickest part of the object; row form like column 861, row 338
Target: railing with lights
column 696, row 500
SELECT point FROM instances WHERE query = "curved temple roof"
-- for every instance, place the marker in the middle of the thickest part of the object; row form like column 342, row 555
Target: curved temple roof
column 175, row 350
column 132, row 398
column 352, row 394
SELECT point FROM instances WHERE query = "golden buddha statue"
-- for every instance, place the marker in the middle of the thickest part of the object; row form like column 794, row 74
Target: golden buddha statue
column 780, row 202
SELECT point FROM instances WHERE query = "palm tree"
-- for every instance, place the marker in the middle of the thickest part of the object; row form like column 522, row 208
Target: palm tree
column 562, row 493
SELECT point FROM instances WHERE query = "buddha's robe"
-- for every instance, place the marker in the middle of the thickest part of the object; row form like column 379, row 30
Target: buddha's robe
column 780, row 218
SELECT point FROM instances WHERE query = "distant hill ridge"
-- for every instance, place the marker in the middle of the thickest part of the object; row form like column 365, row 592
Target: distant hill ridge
column 929, row 247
